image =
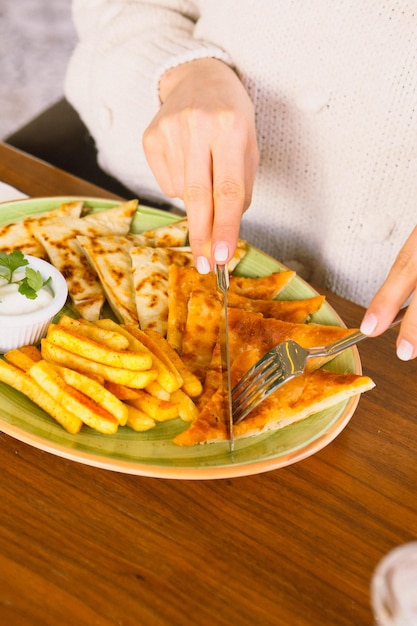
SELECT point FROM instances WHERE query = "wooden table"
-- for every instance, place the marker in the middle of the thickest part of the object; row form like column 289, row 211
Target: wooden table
column 296, row 546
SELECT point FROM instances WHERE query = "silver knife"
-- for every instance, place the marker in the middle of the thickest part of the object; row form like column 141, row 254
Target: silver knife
column 222, row 275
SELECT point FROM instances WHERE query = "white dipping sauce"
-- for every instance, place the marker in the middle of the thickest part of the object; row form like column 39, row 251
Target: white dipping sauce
column 14, row 303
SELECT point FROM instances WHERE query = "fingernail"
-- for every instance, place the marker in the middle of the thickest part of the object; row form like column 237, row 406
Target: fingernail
column 221, row 252
column 369, row 323
column 203, row 265
column 405, row 350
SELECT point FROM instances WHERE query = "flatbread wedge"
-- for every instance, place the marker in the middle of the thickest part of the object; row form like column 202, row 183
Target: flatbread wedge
column 110, row 258
column 183, row 281
column 296, row 400
column 172, row 235
column 250, row 337
column 18, row 235
column 250, row 331
column 59, row 240
column 296, row 311
column 150, row 268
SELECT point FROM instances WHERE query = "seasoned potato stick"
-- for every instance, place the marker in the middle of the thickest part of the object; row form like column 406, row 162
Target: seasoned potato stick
column 32, row 352
column 22, row 382
column 73, row 400
column 167, row 378
column 187, row 410
column 168, row 375
column 138, row 420
column 19, row 359
column 159, row 410
column 56, row 354
column 121, row 391
column 155, row 389
column 111, row 325
column 96, row 392
column 110, row 338
column 89, row 349
column 192, row 386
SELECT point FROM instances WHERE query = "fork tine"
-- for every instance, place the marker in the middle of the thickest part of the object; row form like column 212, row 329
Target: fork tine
column 253, row 374
column 279, row 365
column 255, row 384
column 257, row 390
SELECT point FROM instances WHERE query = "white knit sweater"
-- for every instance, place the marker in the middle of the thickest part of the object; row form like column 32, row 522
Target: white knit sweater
column 334, row 86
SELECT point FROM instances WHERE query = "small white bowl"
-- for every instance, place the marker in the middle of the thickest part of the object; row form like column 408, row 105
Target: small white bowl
column 29, row 328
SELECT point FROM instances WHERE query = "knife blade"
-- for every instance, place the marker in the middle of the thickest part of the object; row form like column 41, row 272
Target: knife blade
column 222, row 276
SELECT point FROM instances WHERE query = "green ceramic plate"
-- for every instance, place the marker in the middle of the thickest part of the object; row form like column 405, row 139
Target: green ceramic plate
column 153, row 453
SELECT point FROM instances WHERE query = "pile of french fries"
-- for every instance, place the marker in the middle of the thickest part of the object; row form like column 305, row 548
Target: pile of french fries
column 104, row 375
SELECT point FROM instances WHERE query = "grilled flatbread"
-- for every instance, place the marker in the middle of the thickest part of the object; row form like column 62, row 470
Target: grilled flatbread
column 183, row 281
column 201, row 332
column 296, row 400
column 172, row 235
column 251, row 336
column 18, row 235
column 110, row 258
column 250, row 331
column 59, row 240
column 150, row 267
column 296, row 311
column 151, row 276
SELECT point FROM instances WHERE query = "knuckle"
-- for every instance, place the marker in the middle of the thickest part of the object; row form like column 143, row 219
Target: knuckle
column 229, row 190
column 196, row 194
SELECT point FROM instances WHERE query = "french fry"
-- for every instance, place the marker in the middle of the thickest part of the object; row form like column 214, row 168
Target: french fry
column 22, row 382
column 159, row 410
column 121, row 391
column 138, row 420
column 89, row 349
column 136, row 380
column 96, row 392
column 73, row 400
column 32, row 352
column 18, row 358
column 169, row 379
column 111, row 338
column 155, row 389
column 187, row 410
column 191, row 385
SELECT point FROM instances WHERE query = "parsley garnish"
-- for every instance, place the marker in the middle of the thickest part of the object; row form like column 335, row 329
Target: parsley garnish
column 32, row 281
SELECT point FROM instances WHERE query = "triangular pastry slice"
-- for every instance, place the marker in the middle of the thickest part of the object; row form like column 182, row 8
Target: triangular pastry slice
column 59, row 240
column 150, row 269
column 18, row 235
column 250, row 337
column 110, row 258
column 298, row 399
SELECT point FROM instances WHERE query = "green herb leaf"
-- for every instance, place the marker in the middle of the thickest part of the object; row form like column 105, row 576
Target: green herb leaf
column 9, row 263
column 26, row 290
column 31, row 283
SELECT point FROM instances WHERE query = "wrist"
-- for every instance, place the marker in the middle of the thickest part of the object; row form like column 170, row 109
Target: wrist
column 186, row 71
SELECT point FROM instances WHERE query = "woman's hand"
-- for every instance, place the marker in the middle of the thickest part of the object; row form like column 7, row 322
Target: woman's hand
column 202, row 148
column 400, row 283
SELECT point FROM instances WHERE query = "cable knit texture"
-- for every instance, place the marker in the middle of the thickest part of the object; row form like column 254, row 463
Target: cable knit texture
column 334, row 86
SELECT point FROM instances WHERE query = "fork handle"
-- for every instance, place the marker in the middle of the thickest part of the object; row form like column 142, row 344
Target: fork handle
column 352, row 339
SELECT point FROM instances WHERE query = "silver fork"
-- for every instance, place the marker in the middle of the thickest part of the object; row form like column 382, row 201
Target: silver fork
column 282, row 363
